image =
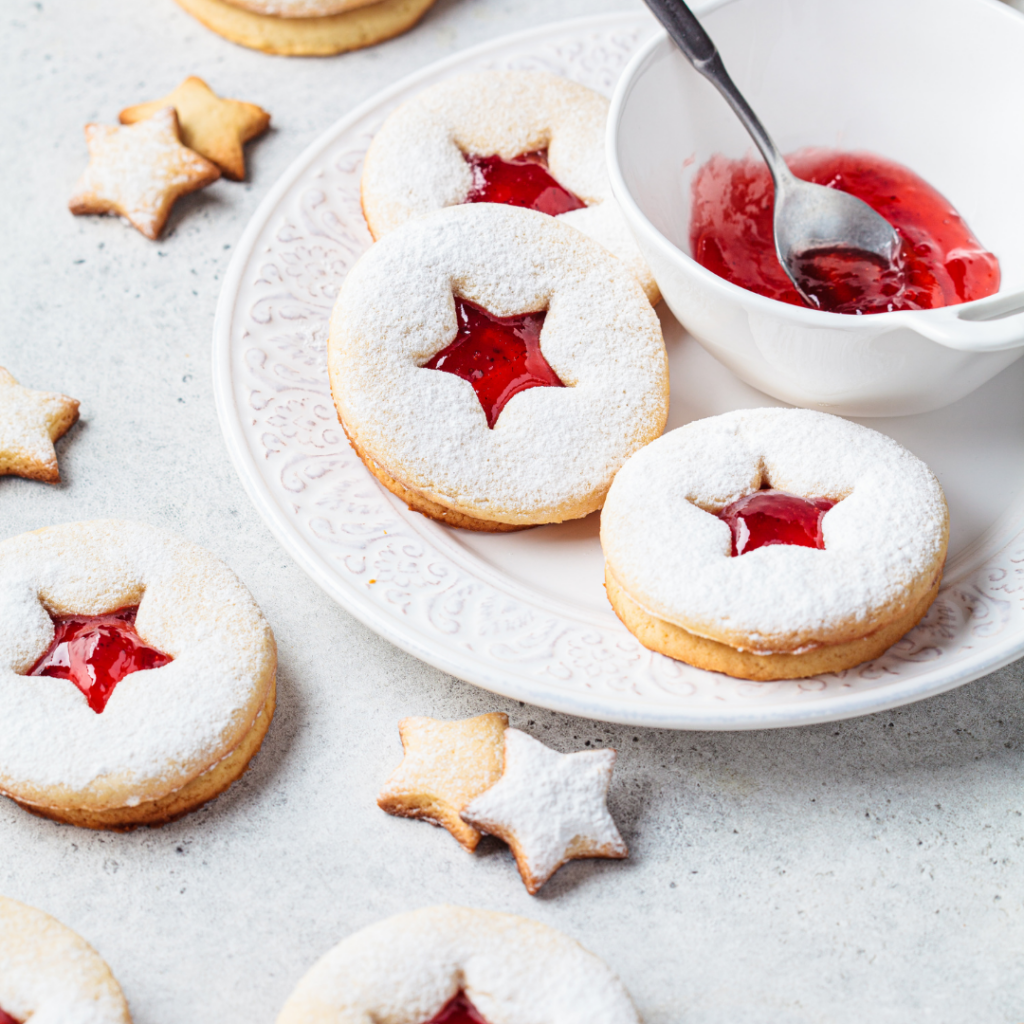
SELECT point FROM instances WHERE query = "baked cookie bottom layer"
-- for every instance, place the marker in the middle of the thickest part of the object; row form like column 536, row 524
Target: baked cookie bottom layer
column 191, row 796
column 431, row 509
column 309, row 37
column 675, row 642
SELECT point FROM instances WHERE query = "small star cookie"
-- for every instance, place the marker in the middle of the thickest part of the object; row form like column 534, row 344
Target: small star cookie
column 138, row 171
column 446, row 765
column 215, row 128
column 550, row 808
column 30, row 421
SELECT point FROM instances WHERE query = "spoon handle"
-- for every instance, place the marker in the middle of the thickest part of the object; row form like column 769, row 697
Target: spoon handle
column 697, row 46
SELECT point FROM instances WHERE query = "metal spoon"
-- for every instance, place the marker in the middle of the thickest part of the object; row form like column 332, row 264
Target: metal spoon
column 809, row 218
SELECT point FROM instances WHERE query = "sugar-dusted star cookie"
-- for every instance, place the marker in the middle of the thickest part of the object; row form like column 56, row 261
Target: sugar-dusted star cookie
column 550, row 808
column 139, row 170
column 215, row 128
column 30, row 421
column 446, row 765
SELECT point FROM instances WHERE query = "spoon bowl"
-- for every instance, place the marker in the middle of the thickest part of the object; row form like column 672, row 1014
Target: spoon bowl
column 813, row 223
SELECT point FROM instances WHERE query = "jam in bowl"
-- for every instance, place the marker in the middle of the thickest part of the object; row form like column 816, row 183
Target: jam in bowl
column 821, row 78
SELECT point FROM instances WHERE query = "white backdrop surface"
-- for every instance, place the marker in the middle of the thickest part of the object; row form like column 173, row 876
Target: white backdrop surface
column 835, row 873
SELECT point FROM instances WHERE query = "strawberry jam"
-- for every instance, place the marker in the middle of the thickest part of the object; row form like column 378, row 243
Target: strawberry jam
column 940, row 262
column 499, row 356
column 96, row 652
column 456, row 1011
column 6, row 1018
column 775, row 517
column 522, row 181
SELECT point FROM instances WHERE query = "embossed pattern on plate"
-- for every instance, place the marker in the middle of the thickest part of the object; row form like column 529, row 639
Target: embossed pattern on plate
column 456, row 601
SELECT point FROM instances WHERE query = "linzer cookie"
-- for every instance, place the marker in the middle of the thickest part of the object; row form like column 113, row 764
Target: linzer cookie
column 494, row 367
column 527, row 138
column 300, row 8
column 48, row 973
column 30, row 422
column 139, row 171
column 137, row 675
column 773, row 543
column 215, row 128
column 454, row 965
column 310, row 28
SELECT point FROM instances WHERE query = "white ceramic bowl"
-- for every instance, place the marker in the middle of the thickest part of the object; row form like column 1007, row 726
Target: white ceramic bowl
column 937, row 85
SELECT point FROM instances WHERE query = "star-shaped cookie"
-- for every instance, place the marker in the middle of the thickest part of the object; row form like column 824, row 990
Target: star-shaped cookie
column 550, row 808
column 30, row 421
column 139, row 170
column 446, row 765
column 214, row 127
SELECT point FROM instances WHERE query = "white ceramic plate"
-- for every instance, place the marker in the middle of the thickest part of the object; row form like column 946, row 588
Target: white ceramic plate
column 525, row 614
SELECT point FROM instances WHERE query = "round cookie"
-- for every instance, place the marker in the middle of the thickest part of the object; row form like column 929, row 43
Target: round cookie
column 417, row 161
column 553, row 451
column 170, row 738
column 49, row 975
column 780, row 611
column 299, row 8
column 407, row 968
column 351, row 29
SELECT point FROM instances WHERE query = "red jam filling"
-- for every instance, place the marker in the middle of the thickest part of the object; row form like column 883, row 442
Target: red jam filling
column 499, row 356
column 96, row 652
column 6, row 1018
column 940, row 262
column 775, row 517
column 522, row 181
column 456, row 1011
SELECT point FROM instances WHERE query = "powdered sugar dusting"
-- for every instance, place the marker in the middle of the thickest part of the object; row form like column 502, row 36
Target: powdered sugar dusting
column 50, row 975
column 28, row 423
column 415, row 164
column 553, row 451
column 549, row 807
column 162, row 726
column 884, row 541
column 139, row 170
column 514, row 970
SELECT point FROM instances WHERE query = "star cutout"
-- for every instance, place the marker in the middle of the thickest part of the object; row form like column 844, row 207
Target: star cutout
column 138, row 171
column 30, row 421
column 498, row 356
column 446, row 765
column 215, row 128
column 550, row 808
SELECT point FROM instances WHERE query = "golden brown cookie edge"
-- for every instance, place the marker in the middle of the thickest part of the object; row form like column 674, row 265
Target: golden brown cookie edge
column 190, row 797
column 309, row 37
column 431, row 509
column 675, row 642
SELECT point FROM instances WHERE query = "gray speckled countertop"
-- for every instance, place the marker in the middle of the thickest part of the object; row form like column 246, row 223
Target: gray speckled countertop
column 865, row 871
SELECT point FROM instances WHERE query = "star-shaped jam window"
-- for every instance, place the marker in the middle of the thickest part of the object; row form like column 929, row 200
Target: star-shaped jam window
column 769, row 517
column 95, row 652
column 499, row 356
column 522, row 181
column 458, row 1010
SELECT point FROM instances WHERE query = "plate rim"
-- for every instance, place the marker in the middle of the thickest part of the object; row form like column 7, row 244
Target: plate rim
column 607, row 708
